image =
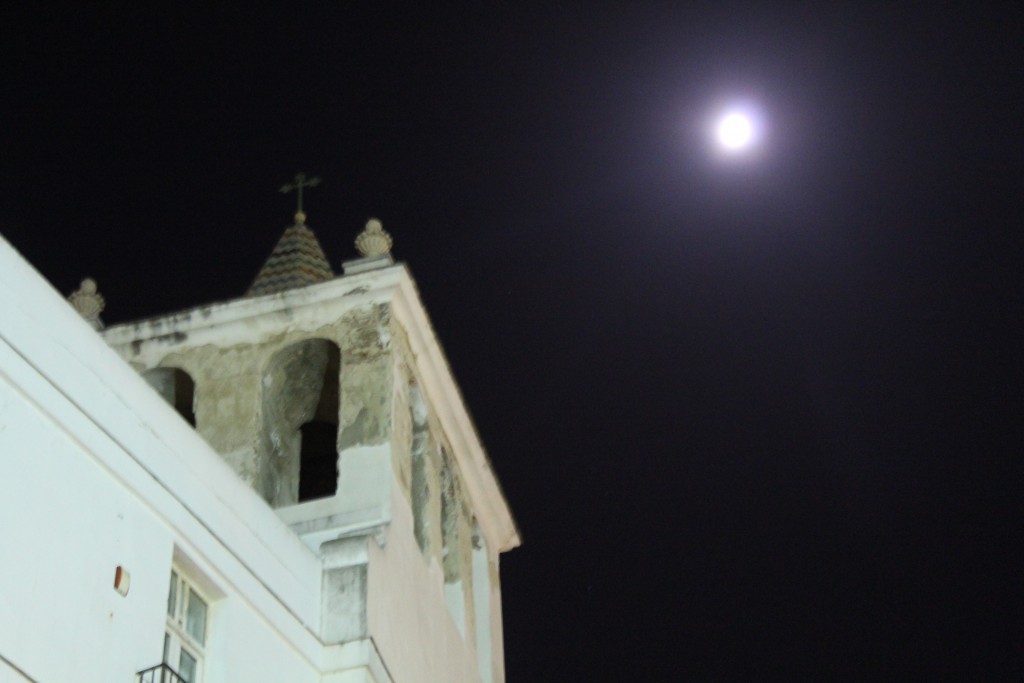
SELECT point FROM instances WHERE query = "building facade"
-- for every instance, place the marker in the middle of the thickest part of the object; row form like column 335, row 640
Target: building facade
column 282, row 487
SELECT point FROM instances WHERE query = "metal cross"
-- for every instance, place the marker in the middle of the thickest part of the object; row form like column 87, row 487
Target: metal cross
column 300, row 182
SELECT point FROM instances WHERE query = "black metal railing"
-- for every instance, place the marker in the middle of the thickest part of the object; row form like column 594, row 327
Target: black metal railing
column 161, row 673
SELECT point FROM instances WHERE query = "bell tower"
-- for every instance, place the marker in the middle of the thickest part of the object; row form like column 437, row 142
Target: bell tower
column 330, row 397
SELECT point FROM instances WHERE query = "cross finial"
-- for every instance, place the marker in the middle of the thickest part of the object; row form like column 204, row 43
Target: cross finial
column 300, row 182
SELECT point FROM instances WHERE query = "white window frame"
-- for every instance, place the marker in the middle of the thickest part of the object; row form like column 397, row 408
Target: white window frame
column 177, row 636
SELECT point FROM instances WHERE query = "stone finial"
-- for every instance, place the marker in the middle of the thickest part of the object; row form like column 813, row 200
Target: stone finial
column 373, row 240
column 89, row 303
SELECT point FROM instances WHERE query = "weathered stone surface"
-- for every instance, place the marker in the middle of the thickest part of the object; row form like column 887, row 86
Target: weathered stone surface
column 227, row 398
column 366, row 402
column 401, row 429
column 344, row 590
column 425, row 486
column 252, row 398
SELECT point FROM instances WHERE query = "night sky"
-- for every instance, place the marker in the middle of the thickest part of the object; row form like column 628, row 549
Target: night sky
column 758, row 417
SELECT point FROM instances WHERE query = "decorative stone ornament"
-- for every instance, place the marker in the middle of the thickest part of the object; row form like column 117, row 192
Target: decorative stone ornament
column 89, row 303
column 373, row 240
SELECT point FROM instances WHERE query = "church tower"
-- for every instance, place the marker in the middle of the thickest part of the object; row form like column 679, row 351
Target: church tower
column 331, row 398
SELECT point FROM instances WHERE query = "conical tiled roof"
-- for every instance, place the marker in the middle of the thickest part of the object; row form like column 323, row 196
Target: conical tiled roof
column 297, row 261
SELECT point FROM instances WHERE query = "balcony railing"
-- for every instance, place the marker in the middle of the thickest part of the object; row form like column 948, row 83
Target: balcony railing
column 162, row 673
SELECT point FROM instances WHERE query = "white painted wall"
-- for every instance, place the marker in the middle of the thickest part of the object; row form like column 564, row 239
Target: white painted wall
column 420, row 642
column 65, row 526
column 95, row 472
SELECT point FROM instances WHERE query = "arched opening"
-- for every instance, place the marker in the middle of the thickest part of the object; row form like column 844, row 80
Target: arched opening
column 177, row 388
column 318, row 460
column 300, row 419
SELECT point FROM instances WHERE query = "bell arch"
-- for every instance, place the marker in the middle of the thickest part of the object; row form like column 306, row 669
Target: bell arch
column 300, row 421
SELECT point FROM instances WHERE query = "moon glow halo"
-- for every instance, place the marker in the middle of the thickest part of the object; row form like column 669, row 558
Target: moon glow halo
column 735, row 131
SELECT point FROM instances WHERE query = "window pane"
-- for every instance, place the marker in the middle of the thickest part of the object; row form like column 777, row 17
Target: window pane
column 167, row 647
column 172, row 594
column 195, row 617
column 187, row 667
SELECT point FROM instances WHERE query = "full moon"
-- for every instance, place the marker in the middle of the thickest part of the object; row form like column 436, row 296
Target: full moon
column 735, row 131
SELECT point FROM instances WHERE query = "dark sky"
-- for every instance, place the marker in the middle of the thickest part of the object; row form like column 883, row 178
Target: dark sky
column 757, row 420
